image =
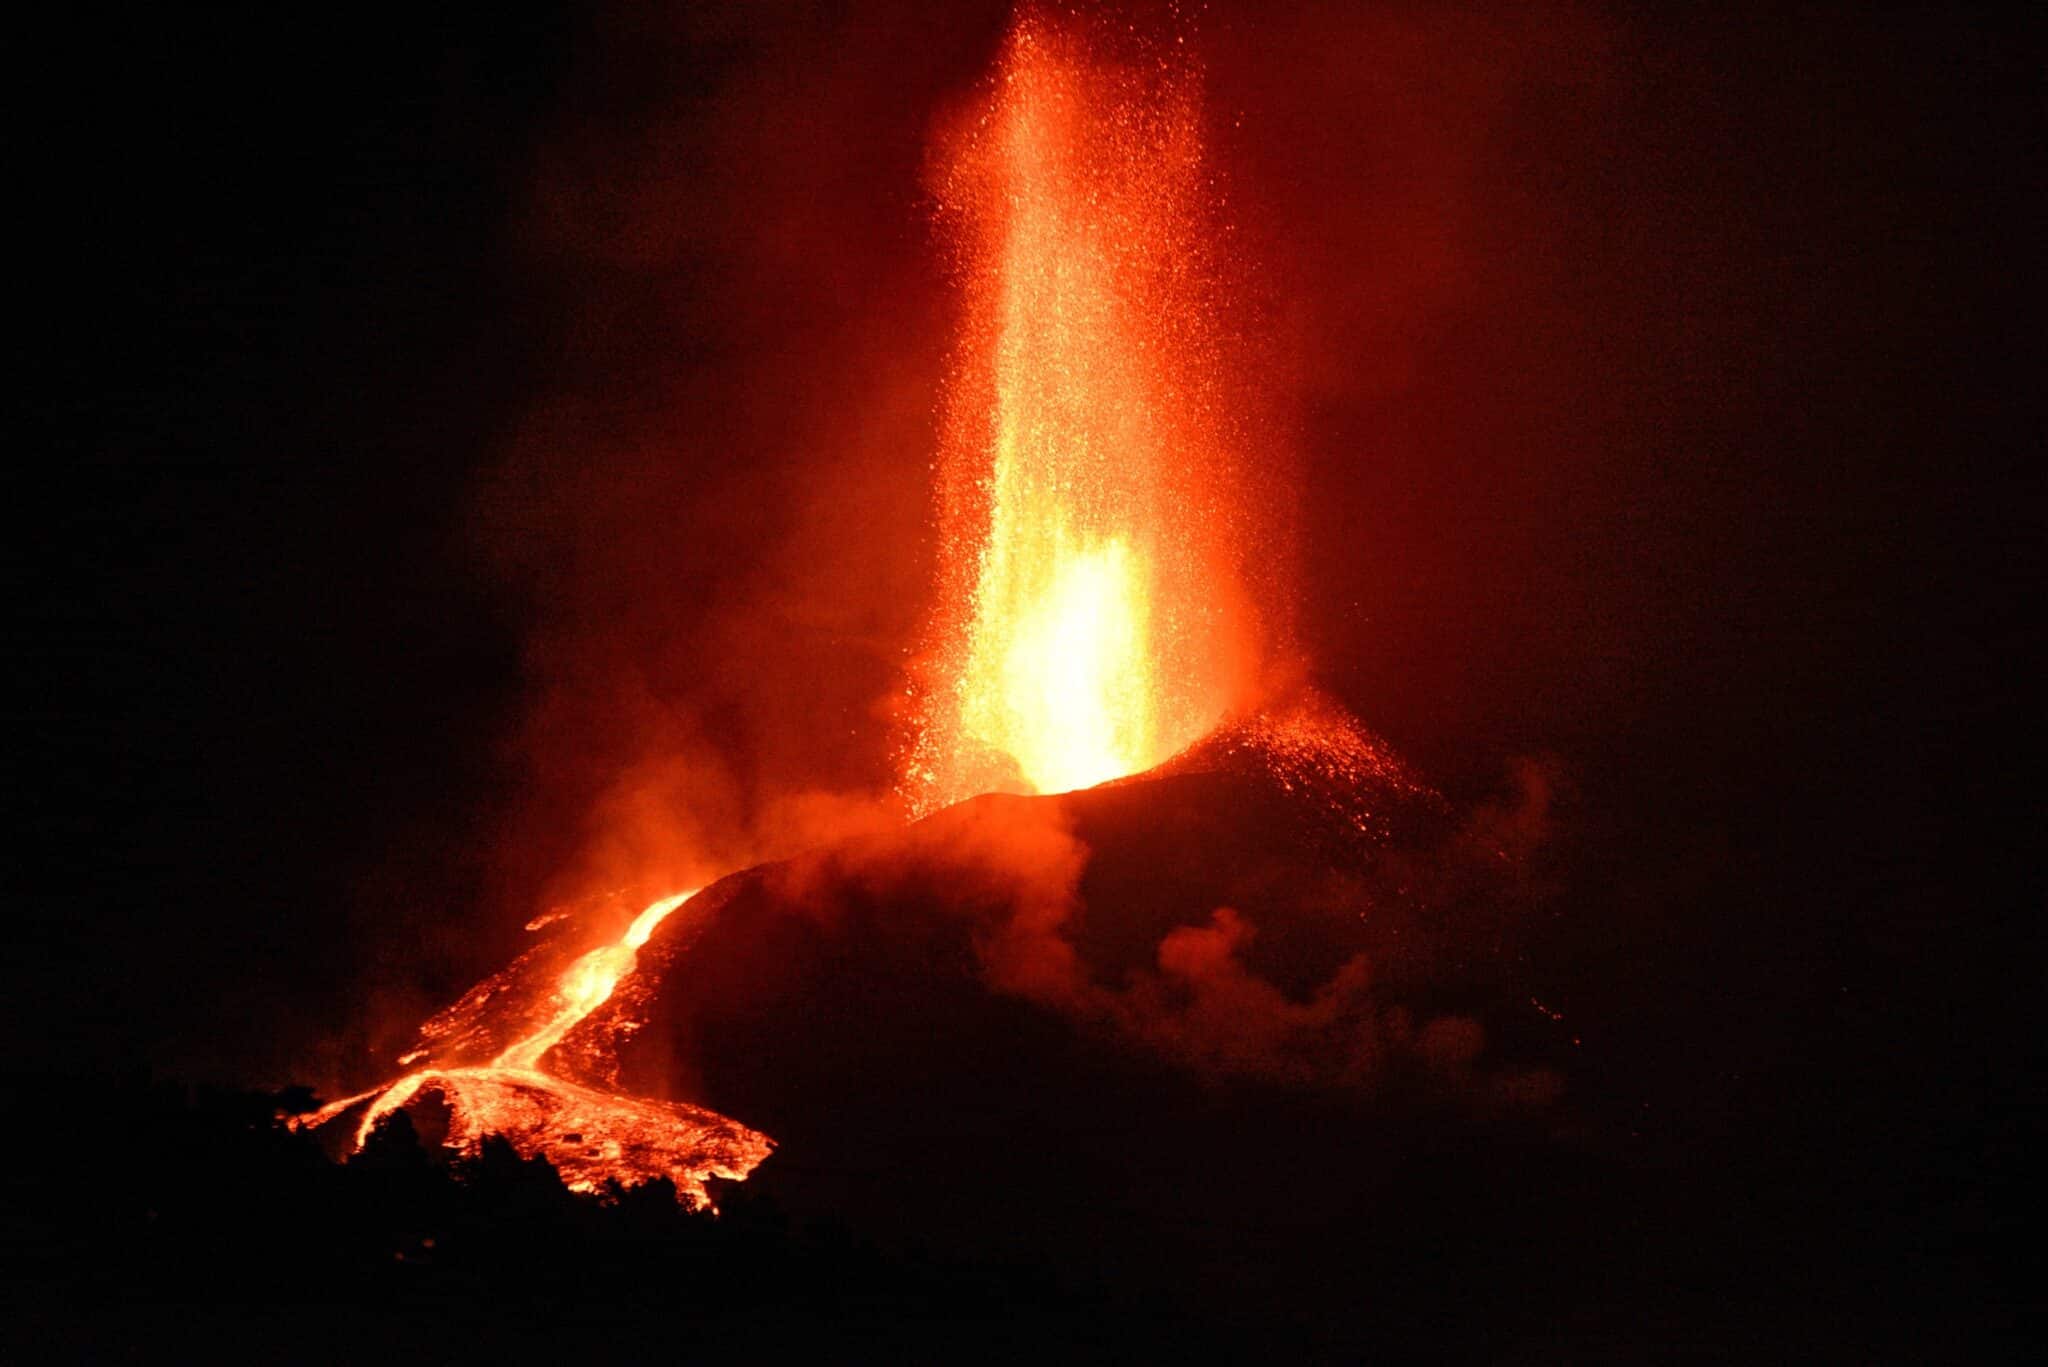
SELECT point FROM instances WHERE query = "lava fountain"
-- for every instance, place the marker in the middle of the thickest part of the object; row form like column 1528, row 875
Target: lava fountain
column 1093, row 620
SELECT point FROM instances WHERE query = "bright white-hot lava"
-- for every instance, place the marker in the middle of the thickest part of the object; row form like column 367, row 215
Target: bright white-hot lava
column 1091, row 620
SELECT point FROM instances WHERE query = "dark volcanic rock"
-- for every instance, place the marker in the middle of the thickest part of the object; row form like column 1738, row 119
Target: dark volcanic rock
column 1014, row 1027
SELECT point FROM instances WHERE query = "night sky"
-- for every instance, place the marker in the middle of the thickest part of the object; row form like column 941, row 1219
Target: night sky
column 443, row 413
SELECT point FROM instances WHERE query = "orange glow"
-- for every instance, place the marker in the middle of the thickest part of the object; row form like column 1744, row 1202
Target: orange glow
column 592, row 1135
column 1090, row 621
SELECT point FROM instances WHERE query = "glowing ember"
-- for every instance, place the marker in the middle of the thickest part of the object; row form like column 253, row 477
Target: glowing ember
column 1320, row 754
column 591, row 1136
column 1091, row 621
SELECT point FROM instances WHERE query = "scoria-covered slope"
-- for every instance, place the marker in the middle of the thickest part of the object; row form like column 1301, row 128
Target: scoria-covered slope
column 1070, row 1022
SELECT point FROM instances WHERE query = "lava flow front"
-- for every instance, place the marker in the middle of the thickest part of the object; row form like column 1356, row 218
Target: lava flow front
column 591, row 1135
column 1092, row 622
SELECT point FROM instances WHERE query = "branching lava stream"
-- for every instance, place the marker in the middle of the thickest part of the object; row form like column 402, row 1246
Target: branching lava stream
column 591, row 1135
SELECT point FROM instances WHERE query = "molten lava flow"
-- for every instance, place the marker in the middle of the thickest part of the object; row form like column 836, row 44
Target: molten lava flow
column 1091, row 620
column 588, row 984
column 592, row 1136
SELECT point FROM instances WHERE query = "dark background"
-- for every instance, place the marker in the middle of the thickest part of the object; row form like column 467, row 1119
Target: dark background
column 435, row 416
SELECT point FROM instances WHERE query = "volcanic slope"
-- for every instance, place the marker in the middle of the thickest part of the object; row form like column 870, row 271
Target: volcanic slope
column 1089, row 1027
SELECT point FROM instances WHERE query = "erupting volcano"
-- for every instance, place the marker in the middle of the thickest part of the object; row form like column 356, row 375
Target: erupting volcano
column 693, row 679
column 1093, row 622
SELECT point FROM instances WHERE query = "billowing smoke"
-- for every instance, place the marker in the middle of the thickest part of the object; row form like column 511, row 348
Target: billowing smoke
column 1011, row 874
column 714, row 507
